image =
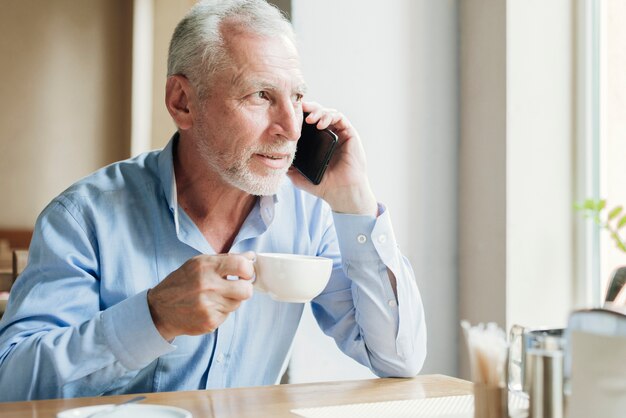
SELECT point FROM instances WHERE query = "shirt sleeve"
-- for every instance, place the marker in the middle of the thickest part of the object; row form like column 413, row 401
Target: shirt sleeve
column 358, row 308
column 54, row 339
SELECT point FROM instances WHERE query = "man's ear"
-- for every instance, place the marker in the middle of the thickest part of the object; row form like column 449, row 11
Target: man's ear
column 179, row 96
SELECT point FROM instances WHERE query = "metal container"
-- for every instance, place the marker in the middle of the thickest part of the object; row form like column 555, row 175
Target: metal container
column 545, row 388
column 521, row 341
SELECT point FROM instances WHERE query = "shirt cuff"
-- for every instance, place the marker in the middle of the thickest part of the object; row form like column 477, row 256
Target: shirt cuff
column 362, row 237
column 131, row 333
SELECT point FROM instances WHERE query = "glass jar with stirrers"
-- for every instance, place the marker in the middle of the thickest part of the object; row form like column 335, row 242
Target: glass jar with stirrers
column 488, row 352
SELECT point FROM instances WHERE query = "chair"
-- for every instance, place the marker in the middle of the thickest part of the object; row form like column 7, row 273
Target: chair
column 6, row 272
column 16, row 238
column 12, row 261
column 10, row 241
column 20, row 259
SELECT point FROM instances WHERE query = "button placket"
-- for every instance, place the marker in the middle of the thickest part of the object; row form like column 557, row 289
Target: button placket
column 217, row 374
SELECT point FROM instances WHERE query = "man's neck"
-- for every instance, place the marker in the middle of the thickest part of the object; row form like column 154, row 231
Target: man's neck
column 217, row 208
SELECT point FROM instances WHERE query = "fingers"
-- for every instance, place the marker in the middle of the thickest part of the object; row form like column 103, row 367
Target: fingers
column 237, row 290
column 220, row 295
column 325, row 117
column 250, row 255
column 219, row 275
column 240, row 265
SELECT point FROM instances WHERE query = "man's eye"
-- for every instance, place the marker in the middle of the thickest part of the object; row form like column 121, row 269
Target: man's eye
column 262, row 95
column 298, row 97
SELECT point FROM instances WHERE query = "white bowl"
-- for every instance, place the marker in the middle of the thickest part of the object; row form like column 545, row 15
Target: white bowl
column 126, row 411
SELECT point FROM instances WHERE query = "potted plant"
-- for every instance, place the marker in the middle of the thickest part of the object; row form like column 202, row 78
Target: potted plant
column 613, row 220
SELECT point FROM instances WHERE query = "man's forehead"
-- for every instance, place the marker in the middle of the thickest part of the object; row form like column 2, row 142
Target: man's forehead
column 267, row 80
column 264, row 60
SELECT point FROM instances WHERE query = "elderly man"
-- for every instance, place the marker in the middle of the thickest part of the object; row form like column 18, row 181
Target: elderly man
column 126, row 289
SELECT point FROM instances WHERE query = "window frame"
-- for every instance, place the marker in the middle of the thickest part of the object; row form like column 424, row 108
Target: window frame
column 588, row 281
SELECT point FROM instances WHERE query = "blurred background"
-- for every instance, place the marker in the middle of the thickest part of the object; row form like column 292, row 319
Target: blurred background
column 483, row 120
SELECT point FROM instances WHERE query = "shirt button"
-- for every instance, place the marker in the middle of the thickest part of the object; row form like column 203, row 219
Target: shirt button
column 220, row 358
column 382, row 239
column 362, row 239
column 392, row 303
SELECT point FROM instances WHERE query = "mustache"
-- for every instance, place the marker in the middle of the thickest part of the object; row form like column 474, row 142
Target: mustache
column 287, row 147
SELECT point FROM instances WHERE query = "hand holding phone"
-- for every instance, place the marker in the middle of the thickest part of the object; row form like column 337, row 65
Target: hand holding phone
column 314, row 151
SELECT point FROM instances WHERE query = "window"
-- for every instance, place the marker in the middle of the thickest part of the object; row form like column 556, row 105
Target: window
column 612, row 113
column 601, row 138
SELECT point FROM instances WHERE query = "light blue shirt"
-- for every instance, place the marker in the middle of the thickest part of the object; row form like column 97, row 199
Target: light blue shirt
column 78, row 323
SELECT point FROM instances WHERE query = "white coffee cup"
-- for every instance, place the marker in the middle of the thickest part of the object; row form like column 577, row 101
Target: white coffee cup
column 291, row 277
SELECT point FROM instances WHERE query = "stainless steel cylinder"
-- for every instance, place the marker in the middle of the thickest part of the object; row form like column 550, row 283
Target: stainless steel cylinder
column 538, row 339
column 546, row 383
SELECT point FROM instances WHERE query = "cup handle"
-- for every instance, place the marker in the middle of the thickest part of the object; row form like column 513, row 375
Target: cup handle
column 256, row 282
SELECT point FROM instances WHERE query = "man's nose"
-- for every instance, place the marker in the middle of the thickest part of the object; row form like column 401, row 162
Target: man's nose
column 287, row 120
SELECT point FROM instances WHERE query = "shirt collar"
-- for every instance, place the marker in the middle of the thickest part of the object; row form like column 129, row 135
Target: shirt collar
column 168, row 180
column 267, row 207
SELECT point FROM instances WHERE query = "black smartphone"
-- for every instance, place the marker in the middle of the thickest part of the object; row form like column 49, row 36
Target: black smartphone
column 315, row 148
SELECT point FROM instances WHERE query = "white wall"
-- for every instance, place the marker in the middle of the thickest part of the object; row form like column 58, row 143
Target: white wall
column 540, row 152
column 516, row 182
column 392, row 69
column 64, row 81
column 482, row 163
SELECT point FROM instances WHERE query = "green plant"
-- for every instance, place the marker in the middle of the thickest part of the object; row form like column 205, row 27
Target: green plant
column 612, row 220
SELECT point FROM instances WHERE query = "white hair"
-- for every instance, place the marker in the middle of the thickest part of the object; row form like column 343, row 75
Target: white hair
column 197, row 49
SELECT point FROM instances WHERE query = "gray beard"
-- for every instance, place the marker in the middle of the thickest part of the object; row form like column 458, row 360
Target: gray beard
column 239, row 175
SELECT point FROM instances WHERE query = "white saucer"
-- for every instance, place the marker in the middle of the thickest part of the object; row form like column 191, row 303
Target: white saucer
column 127, row 411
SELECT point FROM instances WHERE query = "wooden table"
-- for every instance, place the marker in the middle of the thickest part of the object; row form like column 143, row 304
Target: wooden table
column 266, row 401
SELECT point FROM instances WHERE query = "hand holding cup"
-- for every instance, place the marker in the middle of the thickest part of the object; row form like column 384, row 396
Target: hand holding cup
column 196, row 298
